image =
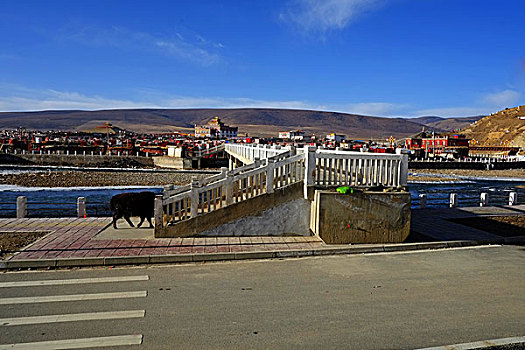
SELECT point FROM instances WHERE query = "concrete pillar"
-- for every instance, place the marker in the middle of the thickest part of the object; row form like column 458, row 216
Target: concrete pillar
column 269, row 175
column 194, row 197
column 513, row 198
column 422, row 201
column 309, row 171
column 81, row 207
column 228, row 188
column 224, row 172
column 159, row 212
column 21, row 207
column 484, row 199
column 453, row 200
column 403, row 170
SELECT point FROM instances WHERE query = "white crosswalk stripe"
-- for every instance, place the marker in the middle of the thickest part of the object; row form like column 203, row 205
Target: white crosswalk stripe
column 73, row 281
column 35, row 320
column 88, row 316
column 72, row 297
column 80, row 343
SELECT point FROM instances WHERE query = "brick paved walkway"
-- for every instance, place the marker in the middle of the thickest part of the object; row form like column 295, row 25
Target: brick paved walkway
column 73, row 238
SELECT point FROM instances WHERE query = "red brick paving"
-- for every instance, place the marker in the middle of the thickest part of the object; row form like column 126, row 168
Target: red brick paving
column 74, row 237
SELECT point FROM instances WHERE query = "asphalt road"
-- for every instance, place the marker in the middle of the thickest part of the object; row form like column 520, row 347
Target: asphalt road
column 377, row 301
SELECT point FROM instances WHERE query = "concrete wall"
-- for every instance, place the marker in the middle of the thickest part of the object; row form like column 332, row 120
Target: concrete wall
column 361, row 217
column 236, row 213
column 172, row 162
column 290, row 218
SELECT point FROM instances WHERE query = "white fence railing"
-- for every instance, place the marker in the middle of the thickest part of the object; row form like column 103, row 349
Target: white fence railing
column 208, row 151
column 255, row 151
column 337, row 168
column 275, row 168
column 227, row 188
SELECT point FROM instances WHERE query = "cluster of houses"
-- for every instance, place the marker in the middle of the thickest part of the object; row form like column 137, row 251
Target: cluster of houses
column 112, row 140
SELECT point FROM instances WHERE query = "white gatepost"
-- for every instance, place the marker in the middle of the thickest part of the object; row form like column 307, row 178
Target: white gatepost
column 513, row 198
column 309, row 168
column 453, row 200
column 21, row 207
column 159, row 212
column 194, row 197
column 484, row 199
column 422, row 201
column 81, row 207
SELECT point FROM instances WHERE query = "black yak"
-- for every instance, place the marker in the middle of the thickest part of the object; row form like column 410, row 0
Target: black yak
column 133, row 204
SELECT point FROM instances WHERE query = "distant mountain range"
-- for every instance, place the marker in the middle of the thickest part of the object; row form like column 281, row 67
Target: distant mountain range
column 254, row 121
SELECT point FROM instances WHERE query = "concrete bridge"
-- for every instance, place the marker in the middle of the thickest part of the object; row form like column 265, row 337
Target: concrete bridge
column 277, row 185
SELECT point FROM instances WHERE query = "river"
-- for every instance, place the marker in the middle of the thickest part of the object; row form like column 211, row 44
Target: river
column 61, row 202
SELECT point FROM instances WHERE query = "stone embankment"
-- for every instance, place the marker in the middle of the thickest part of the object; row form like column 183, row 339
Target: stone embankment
column 439, row 175
column 95, row 179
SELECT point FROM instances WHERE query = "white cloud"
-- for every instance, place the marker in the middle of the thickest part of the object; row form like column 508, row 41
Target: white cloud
column 381, row 109
column 17, row 98
column 200, row 50
column 326, row 15
column 502, row 99
column 447, row 112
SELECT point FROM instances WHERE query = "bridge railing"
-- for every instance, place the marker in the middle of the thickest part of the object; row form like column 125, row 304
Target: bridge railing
column 256, row 151
column 228, row 187
column 208, row 151
column 337, row 168
column 278, row 170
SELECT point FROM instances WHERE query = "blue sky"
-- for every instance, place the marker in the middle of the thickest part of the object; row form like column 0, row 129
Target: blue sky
column 375, row 57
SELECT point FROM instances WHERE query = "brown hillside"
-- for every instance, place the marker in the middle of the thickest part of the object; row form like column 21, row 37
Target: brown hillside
column 501, row 128
column 255, row 121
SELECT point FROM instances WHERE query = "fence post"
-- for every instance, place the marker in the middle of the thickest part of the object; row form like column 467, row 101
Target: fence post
column 228, row 187
column 159, row 213
column 270, row 164
column 224, row 172
column 484, row 199
column 403, row 170
column 513, row 198
column 194, row 197
column 81, row 207
column 309, row 168
column 422, row 201
column 453, row 200
column 21, row 207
